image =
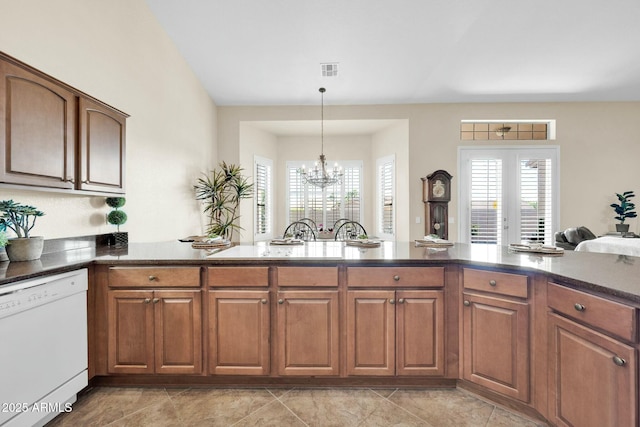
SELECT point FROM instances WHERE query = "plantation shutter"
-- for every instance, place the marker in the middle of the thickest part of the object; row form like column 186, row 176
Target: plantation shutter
column 486, row 201
column 386, row 196
column 535, row 195
column 263, row 197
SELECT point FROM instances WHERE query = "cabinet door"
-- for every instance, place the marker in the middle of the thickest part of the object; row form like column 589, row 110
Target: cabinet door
column 371, row 333
column 239, row 327
column 496, row 344
column 130, row 332
column 37, row 130
column 102, row 148
column 420, row 332
column 178, row 332
column 592, row 378
column 308, row 333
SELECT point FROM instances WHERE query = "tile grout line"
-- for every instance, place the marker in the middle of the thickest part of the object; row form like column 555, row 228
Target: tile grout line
column 289, row 409
column 404, row 409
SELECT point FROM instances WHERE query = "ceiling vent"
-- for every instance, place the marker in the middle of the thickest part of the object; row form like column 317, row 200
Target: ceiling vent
column 330, row 69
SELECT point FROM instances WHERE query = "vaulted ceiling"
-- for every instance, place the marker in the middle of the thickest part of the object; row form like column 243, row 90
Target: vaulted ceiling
column 268, row 52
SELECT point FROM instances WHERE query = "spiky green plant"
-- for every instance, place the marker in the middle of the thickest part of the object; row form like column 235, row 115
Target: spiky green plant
column 19, row 218
column 221, row 191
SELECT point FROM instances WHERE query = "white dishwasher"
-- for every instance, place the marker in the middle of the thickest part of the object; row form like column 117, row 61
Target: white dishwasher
column 43, row 347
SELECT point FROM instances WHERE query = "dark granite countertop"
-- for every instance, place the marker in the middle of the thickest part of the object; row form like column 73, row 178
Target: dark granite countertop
column 616, row 275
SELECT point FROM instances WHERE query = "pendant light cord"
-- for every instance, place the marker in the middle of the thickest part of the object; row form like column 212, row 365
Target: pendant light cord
column 322, row 91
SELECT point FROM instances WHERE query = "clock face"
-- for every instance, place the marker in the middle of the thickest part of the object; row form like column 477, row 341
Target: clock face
column 438, row 189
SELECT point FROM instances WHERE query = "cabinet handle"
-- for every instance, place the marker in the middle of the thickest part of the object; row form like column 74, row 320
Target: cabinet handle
column 152, row 278
column 155, row 300
column 392, row 301
column 619, row 361
column 263, row 300
column 492, row 282
column 280, row 301
column 147, row 300
column 86, row 181
column 396, row 278
column 579, row 307
column 68, row 180
column 466, row 303
column 401, row 300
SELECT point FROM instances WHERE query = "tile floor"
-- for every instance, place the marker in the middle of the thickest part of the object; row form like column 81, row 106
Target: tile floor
column 106, row 406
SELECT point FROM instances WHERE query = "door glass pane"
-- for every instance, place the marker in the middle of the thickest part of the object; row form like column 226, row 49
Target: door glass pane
column 486, row 201
column 535, row 201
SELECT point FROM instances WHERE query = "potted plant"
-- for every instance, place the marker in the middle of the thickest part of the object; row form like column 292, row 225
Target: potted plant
column 221, row 192
column 624, row 210
column 117, row 217
column 21, row 219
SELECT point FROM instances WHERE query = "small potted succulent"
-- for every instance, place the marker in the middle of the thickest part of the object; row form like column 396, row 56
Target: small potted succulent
column 624, row 210
column 21, row 219
column 117, row 217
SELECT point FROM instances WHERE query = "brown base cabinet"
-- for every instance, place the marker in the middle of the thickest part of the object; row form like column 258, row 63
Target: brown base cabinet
column 548, row 350
column 154, row 332
column 239, row 331
column 496, row 344
column 308, row 332
column 395, row 332
column 591, row 377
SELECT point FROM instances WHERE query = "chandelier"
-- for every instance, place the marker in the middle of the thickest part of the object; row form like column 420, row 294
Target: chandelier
column 319, row 176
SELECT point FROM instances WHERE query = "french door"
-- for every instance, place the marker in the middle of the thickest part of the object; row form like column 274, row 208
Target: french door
column 508, row 195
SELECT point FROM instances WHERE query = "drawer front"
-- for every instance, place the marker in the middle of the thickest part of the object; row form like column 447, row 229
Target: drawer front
column 514, row 285
column 154, row 277
column 238, row 276
column 610, row 316
column 308, row 276
column 395, row 276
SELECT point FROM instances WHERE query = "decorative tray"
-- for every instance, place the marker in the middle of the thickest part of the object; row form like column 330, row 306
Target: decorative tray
column 363, row 243
column 536, row 249
column 434, row 243
column 204, row 242
column 286, row 242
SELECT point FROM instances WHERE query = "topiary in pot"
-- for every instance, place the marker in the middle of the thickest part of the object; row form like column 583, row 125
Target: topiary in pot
column 117, row 218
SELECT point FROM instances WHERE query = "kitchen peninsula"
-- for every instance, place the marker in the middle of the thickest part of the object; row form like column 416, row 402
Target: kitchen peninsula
column 548, row 336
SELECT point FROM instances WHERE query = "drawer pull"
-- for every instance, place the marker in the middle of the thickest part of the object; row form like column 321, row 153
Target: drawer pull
column 147, row 300
column 152, row 278
column 619, row 361
column 155, row 300
column 466, row 303
column 392, row 301
column 492, row 282
column 401, row 300
column 396, row 278
column 263, row 300
column 579, row 307
column 280, row 301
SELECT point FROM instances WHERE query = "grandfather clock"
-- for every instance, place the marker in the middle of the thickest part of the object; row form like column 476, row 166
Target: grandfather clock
column 436, row 194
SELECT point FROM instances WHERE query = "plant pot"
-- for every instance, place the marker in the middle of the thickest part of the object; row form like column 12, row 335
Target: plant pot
column 622, row 228
column 25, row 249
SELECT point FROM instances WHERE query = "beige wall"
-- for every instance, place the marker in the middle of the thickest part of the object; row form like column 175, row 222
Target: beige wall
column 116, row 51
column 599, row 149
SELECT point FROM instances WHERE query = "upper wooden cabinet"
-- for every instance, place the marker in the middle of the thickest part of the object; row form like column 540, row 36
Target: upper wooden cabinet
column 101, row 156
column 54, row 136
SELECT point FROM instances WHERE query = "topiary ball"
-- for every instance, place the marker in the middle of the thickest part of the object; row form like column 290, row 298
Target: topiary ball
column 116, row 202
column 117, row 217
